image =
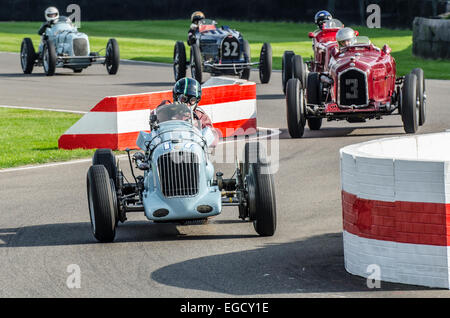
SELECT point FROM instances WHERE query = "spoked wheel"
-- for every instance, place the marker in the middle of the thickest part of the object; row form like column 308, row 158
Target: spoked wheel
column 286, row 68
column 27, row 56
column 196, row 63
column 179, row 61
column 421, row 94
column 410, row 104
column 101, row 204
column 112, row 57
column 247, row 57
column 265, row 63
column 295, row 108
column 49, row 58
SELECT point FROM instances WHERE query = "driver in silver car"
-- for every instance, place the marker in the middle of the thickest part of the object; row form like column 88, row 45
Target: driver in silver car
column 51, row 15
column 188, row 91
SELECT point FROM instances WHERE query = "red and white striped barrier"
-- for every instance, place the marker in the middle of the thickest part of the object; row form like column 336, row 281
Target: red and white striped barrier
column 396, row 209
column 115, row 121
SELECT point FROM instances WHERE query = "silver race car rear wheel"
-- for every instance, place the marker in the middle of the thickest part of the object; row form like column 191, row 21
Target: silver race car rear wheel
column 112, row 57
column 260, row 190
column 27, row 56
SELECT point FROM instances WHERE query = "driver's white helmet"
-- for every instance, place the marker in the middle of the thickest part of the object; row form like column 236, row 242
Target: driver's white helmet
column 346, row 37
column 51, row 14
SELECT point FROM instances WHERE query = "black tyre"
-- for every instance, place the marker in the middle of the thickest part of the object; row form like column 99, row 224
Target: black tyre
column 101, row 204
column 254, row 152
column 247, row 57
column 106, row 158
column 49, row 58
column 313, row 89
column 286, row 68
column 314, row 123
column 196, row 63
column 421, row 95
column 295, row 108
column 265, row 63
column 410, row 106
column 27, row 56
column 299, row 69
column 261, row 200
column 112, row 60
column 179, row 61
column 77, row 70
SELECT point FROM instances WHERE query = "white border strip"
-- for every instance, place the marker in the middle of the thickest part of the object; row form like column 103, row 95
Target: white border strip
column 45, row 109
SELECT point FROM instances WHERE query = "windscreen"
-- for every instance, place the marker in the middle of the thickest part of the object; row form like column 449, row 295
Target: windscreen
column 173, row 112
column 207, row 22
column 62, row 24
column 333, row 24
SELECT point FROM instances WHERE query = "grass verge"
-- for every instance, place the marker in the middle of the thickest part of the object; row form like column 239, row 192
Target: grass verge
column 31, row 137
column 154, row 40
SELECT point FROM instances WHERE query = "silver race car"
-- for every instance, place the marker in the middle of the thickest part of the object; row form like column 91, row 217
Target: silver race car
column 63, row 46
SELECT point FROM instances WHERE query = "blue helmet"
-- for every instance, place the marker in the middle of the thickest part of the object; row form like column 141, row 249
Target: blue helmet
column 321, row 17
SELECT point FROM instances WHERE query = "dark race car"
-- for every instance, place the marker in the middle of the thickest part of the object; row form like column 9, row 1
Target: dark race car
column 360, row 84
column 220, row 51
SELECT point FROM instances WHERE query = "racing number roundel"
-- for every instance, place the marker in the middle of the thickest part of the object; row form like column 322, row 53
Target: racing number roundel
column 230, row 48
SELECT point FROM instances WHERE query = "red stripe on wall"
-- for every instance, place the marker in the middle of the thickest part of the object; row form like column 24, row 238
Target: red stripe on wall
column 402, row 222
column 128, row 140
column 210, row 95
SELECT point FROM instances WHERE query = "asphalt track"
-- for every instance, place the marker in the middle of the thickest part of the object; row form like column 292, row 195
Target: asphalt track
column 44, row 220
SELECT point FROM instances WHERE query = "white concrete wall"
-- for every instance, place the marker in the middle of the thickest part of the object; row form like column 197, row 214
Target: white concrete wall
column 395, row 196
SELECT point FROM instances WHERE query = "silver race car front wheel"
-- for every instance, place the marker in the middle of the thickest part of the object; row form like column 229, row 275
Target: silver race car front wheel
column 49, row 58
column 102, row 208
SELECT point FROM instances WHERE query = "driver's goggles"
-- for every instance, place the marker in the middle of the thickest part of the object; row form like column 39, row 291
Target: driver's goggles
column 191, row 100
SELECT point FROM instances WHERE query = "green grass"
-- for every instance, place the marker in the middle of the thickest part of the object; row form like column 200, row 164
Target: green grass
column 154, row 40
column 31, row 137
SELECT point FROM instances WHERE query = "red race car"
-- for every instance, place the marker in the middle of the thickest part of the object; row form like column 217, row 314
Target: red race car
column 359, row 84
column 324, row 44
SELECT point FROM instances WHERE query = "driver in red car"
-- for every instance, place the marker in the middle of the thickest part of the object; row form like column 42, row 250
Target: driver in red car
column 196, row 17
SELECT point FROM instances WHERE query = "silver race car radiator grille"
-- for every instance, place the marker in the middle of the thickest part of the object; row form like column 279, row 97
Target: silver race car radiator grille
column 353, row 88
column 178, row 174
column 80, row 47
